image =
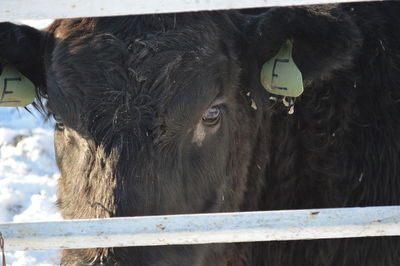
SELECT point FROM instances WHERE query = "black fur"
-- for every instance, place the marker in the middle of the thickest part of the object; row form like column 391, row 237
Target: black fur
column 129, row 94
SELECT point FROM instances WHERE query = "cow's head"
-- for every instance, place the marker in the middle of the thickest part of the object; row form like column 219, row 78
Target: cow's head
column 162, row 114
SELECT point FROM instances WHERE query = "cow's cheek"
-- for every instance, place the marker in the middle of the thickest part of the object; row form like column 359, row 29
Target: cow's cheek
column 69, row 148
column 59, row 146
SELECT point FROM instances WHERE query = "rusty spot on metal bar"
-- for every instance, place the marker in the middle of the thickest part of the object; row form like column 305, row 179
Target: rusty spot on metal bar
column 160, row 226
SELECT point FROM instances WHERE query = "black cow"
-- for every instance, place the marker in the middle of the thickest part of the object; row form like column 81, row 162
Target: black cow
column 165, row 114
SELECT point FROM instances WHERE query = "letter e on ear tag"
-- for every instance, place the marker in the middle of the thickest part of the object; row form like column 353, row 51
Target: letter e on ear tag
column 16, row 90
column 280, row 75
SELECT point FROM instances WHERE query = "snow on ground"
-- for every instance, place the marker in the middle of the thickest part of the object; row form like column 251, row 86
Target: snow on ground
column 28, row 177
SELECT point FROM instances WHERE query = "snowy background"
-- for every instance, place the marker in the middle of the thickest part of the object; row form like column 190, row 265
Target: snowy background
column 28, row 174
column 28, row 177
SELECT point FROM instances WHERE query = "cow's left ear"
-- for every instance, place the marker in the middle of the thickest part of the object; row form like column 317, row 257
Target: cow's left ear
column 325, row 38
column 24, row 48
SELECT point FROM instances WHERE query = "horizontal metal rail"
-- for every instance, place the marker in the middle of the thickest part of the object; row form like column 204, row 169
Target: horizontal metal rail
column 204, row 228
column 44, row 9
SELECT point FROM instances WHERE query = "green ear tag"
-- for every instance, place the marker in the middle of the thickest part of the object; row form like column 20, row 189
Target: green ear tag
column 280, row 75
column 15, row 89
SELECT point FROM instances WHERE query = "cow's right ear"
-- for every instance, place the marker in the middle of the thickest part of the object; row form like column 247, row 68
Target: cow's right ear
column 325, row 38
column 24, row 48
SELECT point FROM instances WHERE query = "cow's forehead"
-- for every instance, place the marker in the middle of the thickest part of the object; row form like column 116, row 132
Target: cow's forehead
column 152, row 66
column 133, row 78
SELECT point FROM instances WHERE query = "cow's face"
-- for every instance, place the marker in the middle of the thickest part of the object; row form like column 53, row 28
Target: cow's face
column 156, row 124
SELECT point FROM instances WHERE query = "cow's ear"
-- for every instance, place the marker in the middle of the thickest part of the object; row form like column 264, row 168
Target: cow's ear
column 325, row 38
column 24, row 48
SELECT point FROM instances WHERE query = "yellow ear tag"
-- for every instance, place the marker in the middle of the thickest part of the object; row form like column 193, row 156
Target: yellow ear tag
column 280, row 75
column 15, row 89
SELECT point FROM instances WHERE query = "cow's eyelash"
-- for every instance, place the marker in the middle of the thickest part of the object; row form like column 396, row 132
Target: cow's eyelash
column 57, row 119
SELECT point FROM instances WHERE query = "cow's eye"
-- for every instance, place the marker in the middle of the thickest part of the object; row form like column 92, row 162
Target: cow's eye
column 211, row 116
column 59, row 126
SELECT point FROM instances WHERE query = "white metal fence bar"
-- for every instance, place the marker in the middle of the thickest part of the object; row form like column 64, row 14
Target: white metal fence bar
column 204, row 228
column 42, row 9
